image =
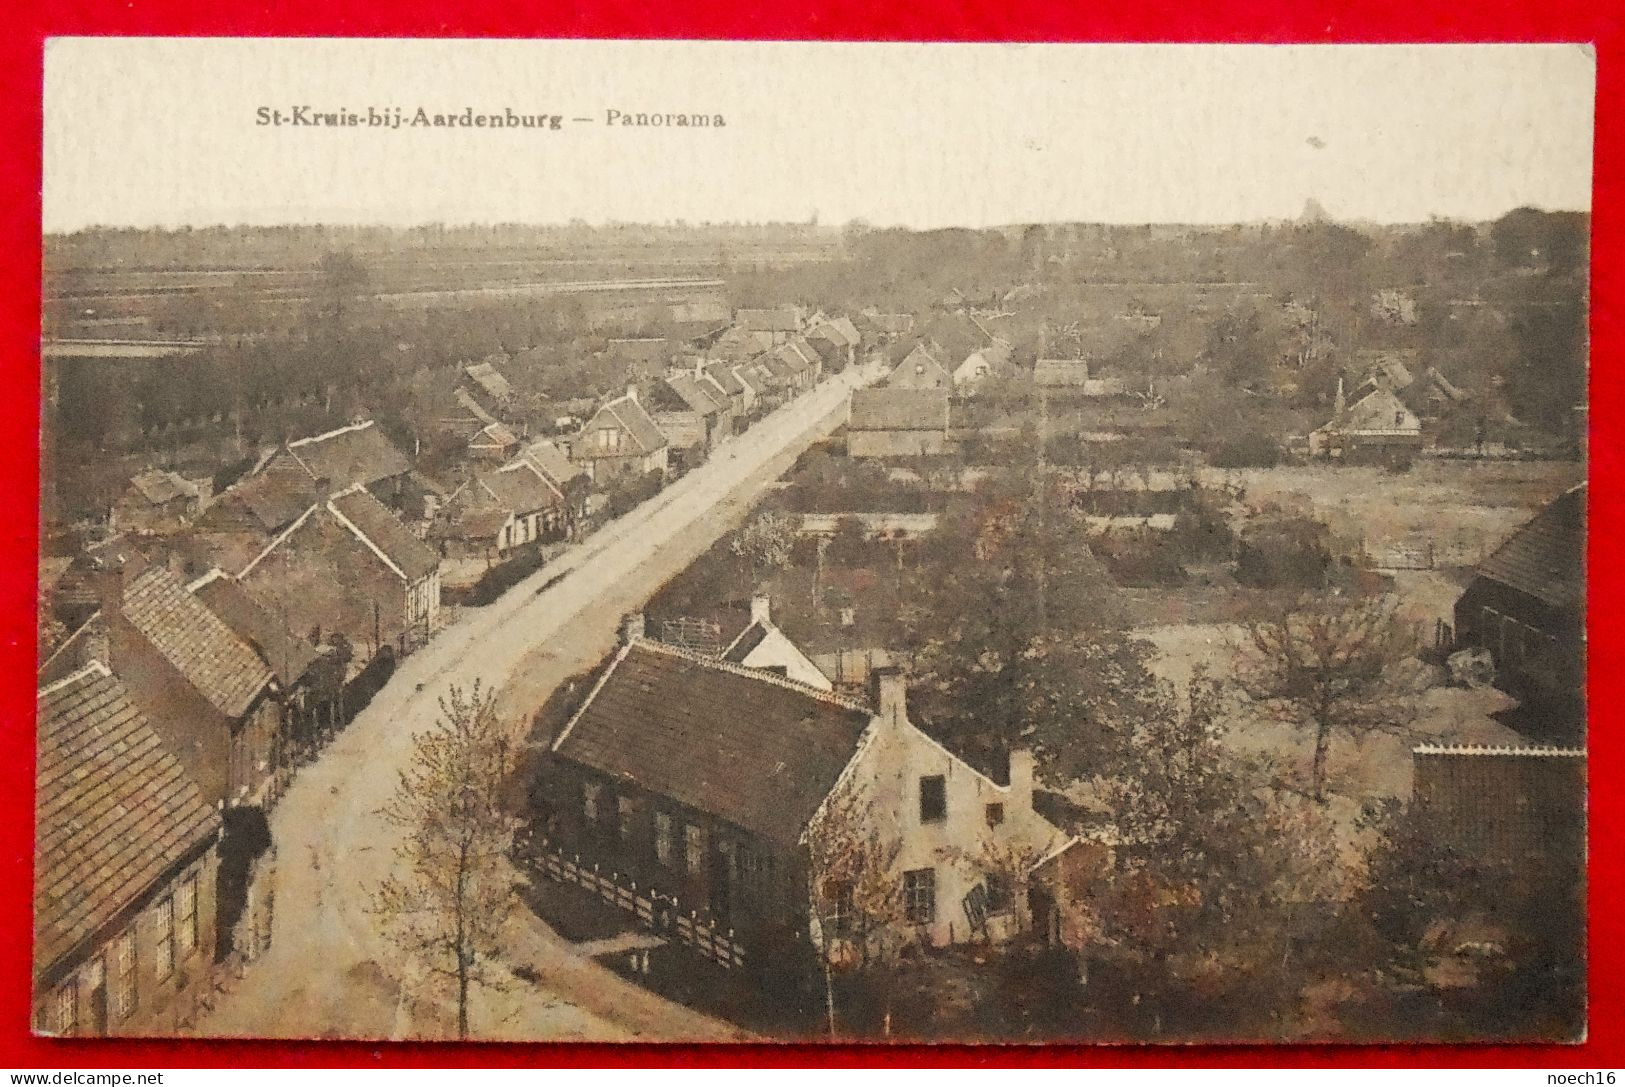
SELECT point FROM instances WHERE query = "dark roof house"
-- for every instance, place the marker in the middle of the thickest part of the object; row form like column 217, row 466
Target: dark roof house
column 115, row 814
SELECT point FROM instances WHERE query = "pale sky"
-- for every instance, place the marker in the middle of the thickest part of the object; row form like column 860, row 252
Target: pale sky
column 148, row 132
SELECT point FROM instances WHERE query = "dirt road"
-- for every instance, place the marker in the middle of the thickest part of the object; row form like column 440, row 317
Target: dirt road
column 328, row 972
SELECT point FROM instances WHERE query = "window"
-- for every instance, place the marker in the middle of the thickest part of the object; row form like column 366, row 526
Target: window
column 124, row 973
column 186, row 915
column 163, row 923
column 995, row 814
column 609, row 439
column 67, row 1008
column 589, row 801
column 933, row 799
column 998, row 891
column 662, row 837
column 623, row 808
column 694, row 848
column 920, row 896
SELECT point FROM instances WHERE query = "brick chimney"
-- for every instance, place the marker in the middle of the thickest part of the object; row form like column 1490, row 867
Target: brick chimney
column 761, row 609
column 631, row 390
column 891, row 695
column 632, row 628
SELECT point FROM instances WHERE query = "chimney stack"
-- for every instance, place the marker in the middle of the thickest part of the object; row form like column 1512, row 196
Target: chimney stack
column 1021, row 779
column 761, row 609
column 631, row 390
column 891, row 695
column 632, row 628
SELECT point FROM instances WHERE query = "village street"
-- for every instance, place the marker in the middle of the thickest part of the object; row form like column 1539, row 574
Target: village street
column 328, row 970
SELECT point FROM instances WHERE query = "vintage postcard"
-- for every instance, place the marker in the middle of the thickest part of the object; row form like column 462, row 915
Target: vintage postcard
column 699, row 541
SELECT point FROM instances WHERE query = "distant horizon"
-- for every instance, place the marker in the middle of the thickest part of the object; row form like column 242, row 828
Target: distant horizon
column 612, row 224
column 170, row 133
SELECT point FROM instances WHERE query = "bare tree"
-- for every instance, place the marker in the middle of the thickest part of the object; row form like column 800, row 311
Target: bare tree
column 857, row 896
column 1324, row 664
column 454, row 891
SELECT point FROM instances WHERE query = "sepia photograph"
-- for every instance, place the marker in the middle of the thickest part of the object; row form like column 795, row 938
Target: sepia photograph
column 717, row 541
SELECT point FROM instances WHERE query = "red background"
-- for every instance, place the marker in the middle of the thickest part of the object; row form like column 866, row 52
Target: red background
column 988, row 20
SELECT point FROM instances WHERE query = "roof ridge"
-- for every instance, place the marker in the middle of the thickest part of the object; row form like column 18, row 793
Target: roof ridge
column 364, row 538
column 754, row 673
column 1536, row 750
column 95, row 666
column 351, row 428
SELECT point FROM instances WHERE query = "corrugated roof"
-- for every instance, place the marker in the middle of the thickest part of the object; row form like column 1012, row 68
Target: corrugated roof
column 288, row 655
column 384, row 531
column 194, row 640
column 114, row 811
column 899, row 409
column 350, row 455
column 755, row 750
column 1546, row 557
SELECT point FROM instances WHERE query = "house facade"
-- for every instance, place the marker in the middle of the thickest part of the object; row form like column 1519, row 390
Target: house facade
column 715, row 786
column 124, row 868
column 620, row 439
column 919, row 370
column 762, row 645
column 898, row 422
column 349, row 567
column 1378, row 428
column 1526, row 606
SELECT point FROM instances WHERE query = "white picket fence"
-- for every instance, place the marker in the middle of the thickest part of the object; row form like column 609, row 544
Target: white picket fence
column 659, row 913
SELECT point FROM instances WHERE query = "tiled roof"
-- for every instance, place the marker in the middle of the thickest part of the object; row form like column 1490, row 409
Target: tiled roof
column 697, row 395
column 158, row 486
column 281, row 490
column 494, row 436
column 520, row 489
column 683, row 429
column 839, row 331
column 1061, row 372
column 490, row 380
column 799, row 355
column 899, row 409
column 1546, row 557
column 748, row 639
column 753, row 377
column 726, row 379
column 780, row 371
column 780, row 319
column 350, row 455
column 194, row 640
column 550, row 460
column 636, row 422
column 753, row 749
column 288, row 655
column 384, row 531
column 114, row 810
column 648, row 350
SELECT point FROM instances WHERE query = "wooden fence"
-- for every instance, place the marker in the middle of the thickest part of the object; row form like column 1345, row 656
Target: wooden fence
column 654, row 911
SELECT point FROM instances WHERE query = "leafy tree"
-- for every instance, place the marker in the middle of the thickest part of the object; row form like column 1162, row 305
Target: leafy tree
column 767, row 542
column 1324, row 664
column 446, row 907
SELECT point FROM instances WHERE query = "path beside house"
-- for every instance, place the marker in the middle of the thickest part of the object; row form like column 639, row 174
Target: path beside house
column 329, row 973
